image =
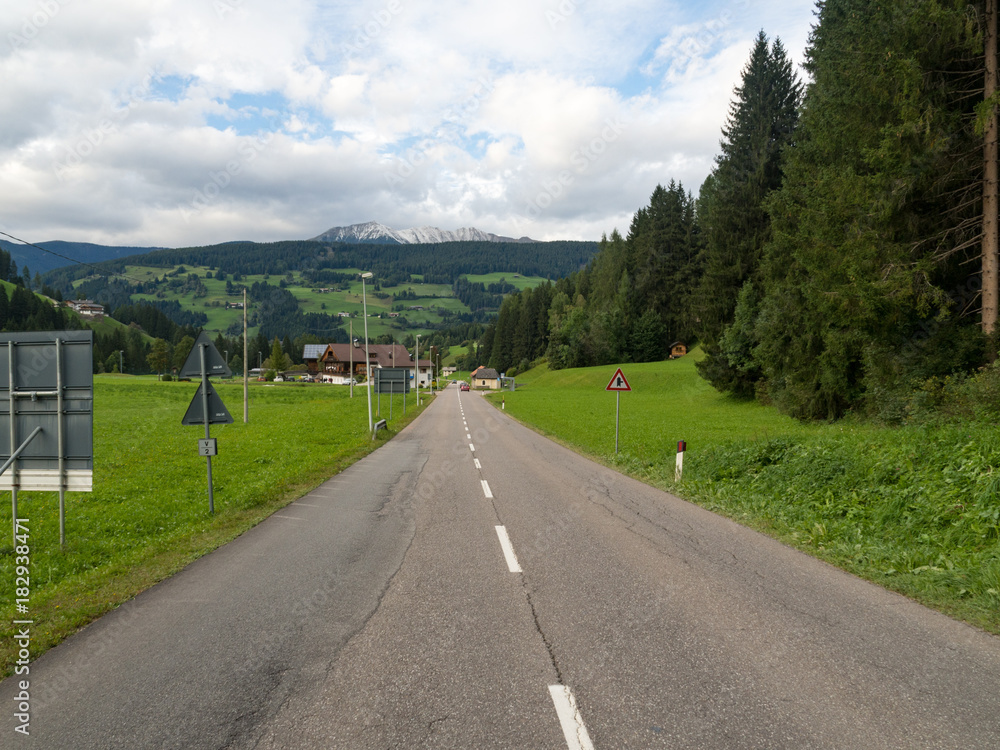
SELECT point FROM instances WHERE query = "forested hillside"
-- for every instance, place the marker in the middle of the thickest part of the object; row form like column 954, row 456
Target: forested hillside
column 833, row 259
column 440, row 264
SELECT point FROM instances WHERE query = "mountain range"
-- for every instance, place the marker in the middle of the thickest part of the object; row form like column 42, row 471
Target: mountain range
column 374, row 233
column 61, row 254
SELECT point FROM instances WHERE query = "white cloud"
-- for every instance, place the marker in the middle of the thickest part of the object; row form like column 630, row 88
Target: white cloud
column 289, row 118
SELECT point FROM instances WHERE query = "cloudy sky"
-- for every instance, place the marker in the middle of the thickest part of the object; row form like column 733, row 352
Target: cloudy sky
column 190, row 122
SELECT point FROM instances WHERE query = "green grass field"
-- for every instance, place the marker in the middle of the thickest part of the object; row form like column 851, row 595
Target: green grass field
column 148, row 514
column 914, row 509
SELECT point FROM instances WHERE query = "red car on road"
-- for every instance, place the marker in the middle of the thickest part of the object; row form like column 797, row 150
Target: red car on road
column 464, row 387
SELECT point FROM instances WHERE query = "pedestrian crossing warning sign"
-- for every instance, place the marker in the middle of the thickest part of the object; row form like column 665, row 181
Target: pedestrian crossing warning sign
column 618, row 382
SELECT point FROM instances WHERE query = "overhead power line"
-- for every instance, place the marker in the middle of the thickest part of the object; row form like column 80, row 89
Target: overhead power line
column 66, row 257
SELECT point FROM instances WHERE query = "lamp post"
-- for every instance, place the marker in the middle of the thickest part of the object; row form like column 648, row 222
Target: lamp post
column 416, row 368
column 121, row 363
column 368, row 361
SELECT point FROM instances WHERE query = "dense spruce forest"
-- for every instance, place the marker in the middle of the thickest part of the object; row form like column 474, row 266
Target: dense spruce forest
column 832, row 260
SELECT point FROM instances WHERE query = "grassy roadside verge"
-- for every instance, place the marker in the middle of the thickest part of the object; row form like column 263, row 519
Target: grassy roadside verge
column 913, row 509
column 148, row 514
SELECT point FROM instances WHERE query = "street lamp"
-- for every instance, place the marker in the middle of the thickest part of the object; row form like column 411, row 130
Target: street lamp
column 368, row 361
column 121, row 363
column 416, row 369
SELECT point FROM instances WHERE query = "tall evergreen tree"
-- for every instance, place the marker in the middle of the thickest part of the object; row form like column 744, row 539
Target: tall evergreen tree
column 761, row 124
column 878, row 208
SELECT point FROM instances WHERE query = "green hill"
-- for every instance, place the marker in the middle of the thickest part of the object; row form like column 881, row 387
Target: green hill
column 310, row 287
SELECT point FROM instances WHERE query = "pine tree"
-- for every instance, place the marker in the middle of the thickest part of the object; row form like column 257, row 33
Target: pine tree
column 736, row 225
column 878, row 207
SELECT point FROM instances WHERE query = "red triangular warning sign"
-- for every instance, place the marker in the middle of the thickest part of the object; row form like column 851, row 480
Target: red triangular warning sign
column 618, row 382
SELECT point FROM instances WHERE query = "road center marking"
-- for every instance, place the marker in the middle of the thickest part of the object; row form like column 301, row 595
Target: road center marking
column 569, row 717
column 486, row 490
column 478, row 465
column 508, row 550
column 472, row 447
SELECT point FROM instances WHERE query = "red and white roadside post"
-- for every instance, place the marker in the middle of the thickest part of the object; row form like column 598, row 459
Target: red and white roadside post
column 681, row 447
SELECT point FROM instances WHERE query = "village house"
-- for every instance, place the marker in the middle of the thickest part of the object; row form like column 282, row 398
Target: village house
column 678, row 349
column 87, row 308
column 331, row 363
column 485, row 378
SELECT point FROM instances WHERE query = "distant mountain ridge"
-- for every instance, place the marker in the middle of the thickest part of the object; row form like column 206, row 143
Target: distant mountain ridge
column 378, row 234
column 67, row 252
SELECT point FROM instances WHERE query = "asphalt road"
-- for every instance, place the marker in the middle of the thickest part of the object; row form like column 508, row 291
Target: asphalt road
column 473, row 585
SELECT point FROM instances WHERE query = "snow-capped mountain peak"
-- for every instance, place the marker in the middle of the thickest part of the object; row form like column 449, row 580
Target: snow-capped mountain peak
column 373, row 232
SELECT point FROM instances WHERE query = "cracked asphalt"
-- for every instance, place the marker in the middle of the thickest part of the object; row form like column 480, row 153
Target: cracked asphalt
column 378, row 612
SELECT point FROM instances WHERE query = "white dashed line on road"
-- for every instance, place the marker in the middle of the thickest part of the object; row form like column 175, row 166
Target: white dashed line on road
column 569, row 717
column 508, row 550
column 486, row 490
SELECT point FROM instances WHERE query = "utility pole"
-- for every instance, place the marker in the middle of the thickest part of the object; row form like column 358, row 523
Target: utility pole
column 246, row 372
column 368, row 359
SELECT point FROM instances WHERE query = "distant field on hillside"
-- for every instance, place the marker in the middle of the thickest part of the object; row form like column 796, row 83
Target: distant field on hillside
column 521, row 282
column 434, row 301
column 915, row 509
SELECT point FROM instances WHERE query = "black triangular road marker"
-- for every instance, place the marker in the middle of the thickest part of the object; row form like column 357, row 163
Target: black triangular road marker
column 217, row 411
column 213, row 360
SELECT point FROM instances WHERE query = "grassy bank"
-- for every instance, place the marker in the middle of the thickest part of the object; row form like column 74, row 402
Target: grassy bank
column 148, row 514
column 914, row 509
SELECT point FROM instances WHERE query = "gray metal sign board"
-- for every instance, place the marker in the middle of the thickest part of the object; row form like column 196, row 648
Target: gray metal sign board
column 392, row 380
column 217, row 411
column 214, row 361
column 34, row 388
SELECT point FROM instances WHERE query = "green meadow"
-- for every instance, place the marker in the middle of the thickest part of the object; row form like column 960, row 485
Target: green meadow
column 435, row 299
column 915, row 509
column 147, row 516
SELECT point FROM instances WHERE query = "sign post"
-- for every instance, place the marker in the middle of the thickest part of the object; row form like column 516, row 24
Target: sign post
column 618, row 384
column 206, row 407
column 392, row 380
column 48, row 442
